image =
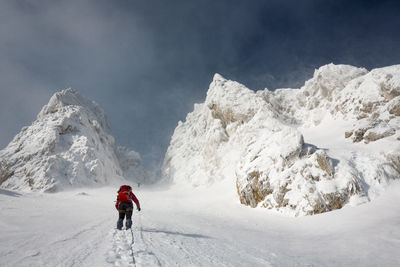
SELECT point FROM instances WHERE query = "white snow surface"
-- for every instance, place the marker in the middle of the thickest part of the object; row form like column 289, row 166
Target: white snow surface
column 182, row 226
column 331, row 143
column 70, row 144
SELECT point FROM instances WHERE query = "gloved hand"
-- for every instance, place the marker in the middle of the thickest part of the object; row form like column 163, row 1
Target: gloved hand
column 138, row 209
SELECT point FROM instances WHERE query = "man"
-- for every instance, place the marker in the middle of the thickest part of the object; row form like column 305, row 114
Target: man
column 125, row 207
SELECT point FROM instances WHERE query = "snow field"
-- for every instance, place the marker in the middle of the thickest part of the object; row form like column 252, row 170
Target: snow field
column 197, row 227
column 51, row 230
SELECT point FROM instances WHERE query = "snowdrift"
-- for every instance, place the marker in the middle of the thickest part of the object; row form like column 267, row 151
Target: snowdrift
column 333, row 142
column 69, row 144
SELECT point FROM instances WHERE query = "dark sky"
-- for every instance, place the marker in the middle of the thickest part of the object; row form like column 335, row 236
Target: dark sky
column 147, row 62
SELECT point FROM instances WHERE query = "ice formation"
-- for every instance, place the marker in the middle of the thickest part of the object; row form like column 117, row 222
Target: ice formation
column 333, row 142
column 69, row 144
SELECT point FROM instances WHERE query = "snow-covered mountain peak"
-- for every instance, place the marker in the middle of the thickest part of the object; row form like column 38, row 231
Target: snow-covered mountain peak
column 331, row 78
column 69, row 144
column 218, row 78
column 67, row 97
column 294, row 150
column 231, row 101
column 71, row 98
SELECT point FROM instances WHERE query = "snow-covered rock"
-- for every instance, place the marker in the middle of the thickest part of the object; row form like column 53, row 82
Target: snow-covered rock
column 297, row 151
column 132, row 168
column 69, row 144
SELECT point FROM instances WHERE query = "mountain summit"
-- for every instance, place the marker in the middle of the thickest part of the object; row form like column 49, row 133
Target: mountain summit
column 333, row 142
column 69, row 144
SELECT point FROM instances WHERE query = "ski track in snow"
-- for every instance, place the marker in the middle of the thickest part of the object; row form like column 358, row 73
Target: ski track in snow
column 145, row 256
column 130, row 248
column 121, row 253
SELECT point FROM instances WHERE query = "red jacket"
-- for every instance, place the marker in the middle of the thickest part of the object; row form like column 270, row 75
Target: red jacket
column 131, row 197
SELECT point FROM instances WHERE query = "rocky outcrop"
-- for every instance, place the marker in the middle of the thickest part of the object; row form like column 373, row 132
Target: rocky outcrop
column 257, row 140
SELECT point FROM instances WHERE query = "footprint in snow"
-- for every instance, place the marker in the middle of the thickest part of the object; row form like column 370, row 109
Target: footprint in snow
column 121, row 252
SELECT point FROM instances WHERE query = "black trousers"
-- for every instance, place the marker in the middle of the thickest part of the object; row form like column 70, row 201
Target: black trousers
column 125, row 210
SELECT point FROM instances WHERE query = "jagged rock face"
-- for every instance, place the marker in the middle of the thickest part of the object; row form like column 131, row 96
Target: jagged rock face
column 260, row 140
column 70, row 144
column 375, row 106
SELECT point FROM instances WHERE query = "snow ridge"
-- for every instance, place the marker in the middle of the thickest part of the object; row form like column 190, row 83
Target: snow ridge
column 333, row 142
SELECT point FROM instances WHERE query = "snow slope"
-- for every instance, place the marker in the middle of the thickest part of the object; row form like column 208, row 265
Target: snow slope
column 182, row 226
column 69, row 144
column 331, row 143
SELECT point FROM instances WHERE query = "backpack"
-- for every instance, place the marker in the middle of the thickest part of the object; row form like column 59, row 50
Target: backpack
column 123, row 194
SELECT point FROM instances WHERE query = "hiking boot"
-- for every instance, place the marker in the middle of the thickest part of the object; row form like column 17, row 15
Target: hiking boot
column 128, row 224
column 119, row 224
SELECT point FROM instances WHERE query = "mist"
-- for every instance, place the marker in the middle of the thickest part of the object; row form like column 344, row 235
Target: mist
column 147, row 62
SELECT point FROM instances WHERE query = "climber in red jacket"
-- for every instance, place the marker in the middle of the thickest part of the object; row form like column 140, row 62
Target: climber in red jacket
column 125, row 207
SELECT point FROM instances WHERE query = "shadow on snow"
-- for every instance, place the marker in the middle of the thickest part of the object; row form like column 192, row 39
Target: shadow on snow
column 9, row 193
column 175, row 233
